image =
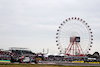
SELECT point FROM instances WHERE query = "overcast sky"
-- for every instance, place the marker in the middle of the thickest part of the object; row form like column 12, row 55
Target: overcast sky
column 33, row 23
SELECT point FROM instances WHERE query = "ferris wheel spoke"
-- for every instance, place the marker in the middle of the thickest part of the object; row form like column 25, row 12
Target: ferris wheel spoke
column 64, row 35
column 64, row 42
column 85, row 45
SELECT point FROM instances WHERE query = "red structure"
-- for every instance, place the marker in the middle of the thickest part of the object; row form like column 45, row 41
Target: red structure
column 74, row 47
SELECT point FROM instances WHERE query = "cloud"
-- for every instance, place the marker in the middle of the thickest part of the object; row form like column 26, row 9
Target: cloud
column 35, row 22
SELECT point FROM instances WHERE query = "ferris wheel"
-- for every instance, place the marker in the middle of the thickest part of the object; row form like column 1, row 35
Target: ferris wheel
column 74, row 37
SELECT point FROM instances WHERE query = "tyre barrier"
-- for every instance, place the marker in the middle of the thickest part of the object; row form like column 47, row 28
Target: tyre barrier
column 4, row 61
column 85, row 62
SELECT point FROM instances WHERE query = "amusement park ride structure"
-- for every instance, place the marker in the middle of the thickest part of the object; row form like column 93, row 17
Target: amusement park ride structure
column 74, row 37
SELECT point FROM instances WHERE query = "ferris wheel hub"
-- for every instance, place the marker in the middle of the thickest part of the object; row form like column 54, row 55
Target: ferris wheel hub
column 77, row 39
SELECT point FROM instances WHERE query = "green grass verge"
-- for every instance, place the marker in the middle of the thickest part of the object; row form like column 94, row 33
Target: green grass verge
column 36, row 65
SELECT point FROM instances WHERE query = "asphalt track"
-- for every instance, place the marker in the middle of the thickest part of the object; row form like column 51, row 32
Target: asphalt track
column 68, row 63
column 60, row 63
